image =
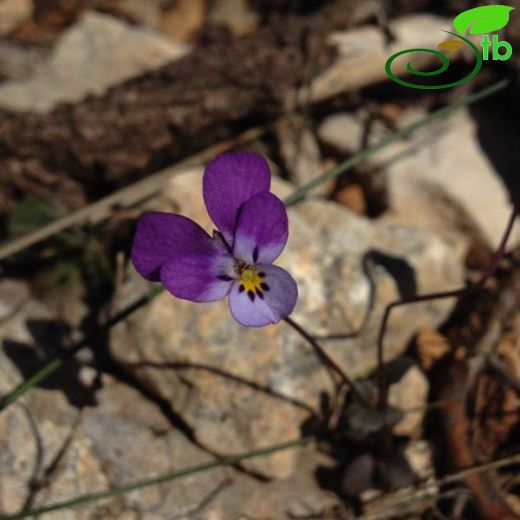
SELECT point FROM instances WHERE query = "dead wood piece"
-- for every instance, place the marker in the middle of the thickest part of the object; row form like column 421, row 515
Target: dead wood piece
column 83, row 151
column 454, row 443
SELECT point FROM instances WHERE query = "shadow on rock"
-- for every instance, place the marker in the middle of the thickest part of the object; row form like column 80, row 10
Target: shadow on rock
column 51, row 339
column 498, row 135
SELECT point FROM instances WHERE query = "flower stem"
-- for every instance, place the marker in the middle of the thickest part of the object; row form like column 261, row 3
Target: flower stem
column 328, row 361
column 455, row 293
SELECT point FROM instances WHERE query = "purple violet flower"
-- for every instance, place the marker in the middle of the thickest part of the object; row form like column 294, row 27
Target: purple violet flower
column 237, row 261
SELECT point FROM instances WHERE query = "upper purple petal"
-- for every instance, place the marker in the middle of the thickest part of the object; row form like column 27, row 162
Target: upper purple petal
column 276, row 302
column 160, row 235
column 199, row 277
column 230, row 180
column 262, row 229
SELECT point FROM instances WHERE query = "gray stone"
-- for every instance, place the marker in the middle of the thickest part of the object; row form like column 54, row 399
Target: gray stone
column 363, row 52
column 94, row 54
column 16, row 307
column 18, row 451
column 325, row 254
column 200, row 359
column 122, row 438
column 343, row 131
column 18, row 61
column 437, row 179
column 301, row 154
column 298, row 495
column 33, row 431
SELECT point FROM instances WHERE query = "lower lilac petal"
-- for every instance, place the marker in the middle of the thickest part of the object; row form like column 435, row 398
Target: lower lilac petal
column 262, row 229
column 276, row 303
column 160, row 235
column 198, row 277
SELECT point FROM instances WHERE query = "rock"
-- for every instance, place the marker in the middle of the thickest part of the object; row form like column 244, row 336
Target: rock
column 447, row 181
column 183, row 23
column 32, row 435
column 16, row 307
column 13, row 13
column 420, row 457
column 432, row 181
column 18, row 451
column 20, row 62
column 12, row 297
column 297, row 496
column 144, row 13
column 52, row 450
column 343, row 132
column 352, row 197
column 71, row 451
column 235, row 15
column 122, row 440
column 94, row 54
column 431, row 347
column 410, row 392
column 199, row 359
column 301, row 153
column 131, row 440
column 363, row 52
column 213, row 354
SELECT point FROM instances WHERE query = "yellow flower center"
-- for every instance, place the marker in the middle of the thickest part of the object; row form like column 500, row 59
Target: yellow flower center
column 250, row 279
column 252, row 282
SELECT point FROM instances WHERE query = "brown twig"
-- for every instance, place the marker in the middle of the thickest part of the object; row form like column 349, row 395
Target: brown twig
column 455, row 293
column 328, row 361
column 428, row 489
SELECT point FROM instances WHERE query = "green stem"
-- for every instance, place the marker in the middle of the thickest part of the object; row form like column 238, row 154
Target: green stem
column 167, row 477
column 297, row 195
column 34, row 380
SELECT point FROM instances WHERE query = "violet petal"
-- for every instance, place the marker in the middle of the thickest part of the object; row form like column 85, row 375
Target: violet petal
column 262, row 229
column 199, row 277
column 277, row 300
column 160, row 235
column 230, row 180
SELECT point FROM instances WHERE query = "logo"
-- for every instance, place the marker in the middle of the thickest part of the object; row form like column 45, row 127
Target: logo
column 480, row 20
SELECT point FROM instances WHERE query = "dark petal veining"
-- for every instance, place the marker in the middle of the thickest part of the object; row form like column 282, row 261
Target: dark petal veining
column 277, row 302
column 262, row 229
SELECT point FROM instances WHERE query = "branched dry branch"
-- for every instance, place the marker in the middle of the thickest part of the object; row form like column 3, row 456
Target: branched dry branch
column 428, row 489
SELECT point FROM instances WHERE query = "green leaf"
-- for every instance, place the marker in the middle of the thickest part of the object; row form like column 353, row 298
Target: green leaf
column 61, row 274
column 485, row 19
column 29, row 215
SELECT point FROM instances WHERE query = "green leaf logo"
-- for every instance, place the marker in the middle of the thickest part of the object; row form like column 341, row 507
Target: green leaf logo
column 479, row 20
